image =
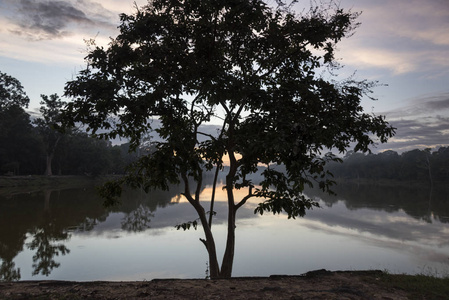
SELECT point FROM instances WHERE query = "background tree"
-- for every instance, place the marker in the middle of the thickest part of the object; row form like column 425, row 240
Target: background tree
column 414, row 165
column 440, row 159
column 51, row 111
column 84, row 155
column 11, row 93
column 19, row 145
column 253, row 68
column 28, row 149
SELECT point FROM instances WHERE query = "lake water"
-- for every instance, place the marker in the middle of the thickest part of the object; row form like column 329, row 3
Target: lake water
column 68, row 235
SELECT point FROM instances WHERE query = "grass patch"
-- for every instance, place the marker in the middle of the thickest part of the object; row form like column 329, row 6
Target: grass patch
column 418, row 286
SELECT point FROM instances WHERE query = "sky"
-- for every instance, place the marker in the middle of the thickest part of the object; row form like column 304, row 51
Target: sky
column 403, row 44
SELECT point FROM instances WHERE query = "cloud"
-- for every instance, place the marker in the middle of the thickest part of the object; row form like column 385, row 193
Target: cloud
column 50, row 19
column 416, row 135
column 426, row 105
column 424, row 123
column 407, row 37
column 418, row 25
column 415, row 20
column 120, row 6
column 398, row 63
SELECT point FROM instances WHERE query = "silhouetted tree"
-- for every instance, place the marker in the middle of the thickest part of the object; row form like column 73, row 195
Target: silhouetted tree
column 440, row 162
column 414, row 165
column 51, row 110
column 255, row 69
column 20, row 147
column 11, row 92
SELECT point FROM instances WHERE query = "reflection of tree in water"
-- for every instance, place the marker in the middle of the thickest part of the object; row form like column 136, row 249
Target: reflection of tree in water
column 8, row 271
column 44, row 240
column 11, row 243
column 418, row 201
column 45, row 243
column 87, row 225
column 139, row 207
column 137, row 220
column 8, row 250
column 47, row 217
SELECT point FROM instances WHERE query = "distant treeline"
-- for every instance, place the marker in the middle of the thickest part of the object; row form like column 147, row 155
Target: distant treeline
column 39, row 146
column 76, row 154
column 411, row 165
column 24, row 150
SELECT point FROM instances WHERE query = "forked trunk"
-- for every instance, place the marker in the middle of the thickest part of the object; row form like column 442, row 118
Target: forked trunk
column 228, row 257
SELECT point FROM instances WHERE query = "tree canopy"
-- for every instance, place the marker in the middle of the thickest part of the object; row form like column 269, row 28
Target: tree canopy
column 260, row 72
column 11, row 92
column 16, row 138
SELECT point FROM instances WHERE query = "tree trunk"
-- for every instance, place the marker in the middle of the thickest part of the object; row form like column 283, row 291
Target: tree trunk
column 212, row 198
column 50, row 154
column 209, row 242
column 228, row 257
column 48, row 171
column 214, row 268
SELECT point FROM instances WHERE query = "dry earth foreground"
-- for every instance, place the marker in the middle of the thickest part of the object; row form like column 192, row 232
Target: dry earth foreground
column 319, row 284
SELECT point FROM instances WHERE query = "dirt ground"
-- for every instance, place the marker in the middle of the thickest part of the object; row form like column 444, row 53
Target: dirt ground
column 312, row 285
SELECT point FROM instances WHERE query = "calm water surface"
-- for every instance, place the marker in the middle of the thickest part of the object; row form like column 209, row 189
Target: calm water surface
column 68, row 235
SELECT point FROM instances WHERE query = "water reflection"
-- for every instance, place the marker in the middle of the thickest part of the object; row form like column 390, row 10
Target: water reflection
column 44, row 222
column 418, row 201
column 45, row 218
column 45, row 243
column 48, row 217
column 413, row 214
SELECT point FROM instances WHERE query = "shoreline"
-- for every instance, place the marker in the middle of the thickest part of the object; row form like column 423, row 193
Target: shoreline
column 11, row 185
column 319, row 284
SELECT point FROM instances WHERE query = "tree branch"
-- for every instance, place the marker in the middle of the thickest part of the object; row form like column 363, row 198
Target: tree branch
column 223, row 104
column 198, row 187
column 207, row 134
column 244, row 199
column 214, row 186
column 187, row 193
column 212, row 199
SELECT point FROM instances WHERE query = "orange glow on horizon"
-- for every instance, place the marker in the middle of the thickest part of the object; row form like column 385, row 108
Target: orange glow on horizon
column 220, row 195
